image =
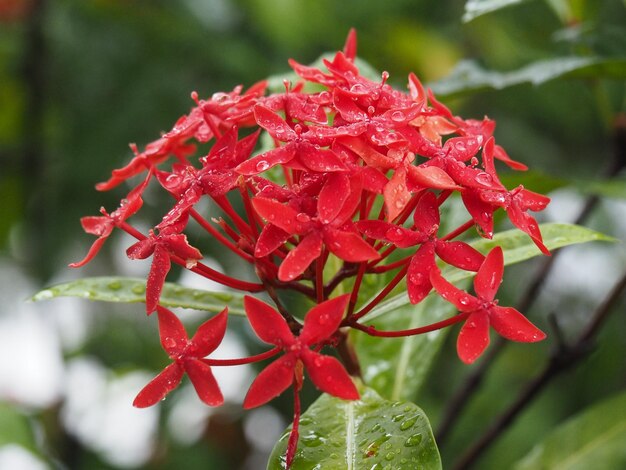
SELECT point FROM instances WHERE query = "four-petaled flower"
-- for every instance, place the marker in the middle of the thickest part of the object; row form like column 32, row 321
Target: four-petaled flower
column 484, row 311
column 187, row 355
column 326, row 372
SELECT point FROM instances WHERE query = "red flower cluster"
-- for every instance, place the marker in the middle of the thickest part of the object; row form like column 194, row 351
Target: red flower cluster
column 356, row 171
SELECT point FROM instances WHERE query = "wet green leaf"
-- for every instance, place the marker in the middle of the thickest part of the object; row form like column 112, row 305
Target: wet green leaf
column 369, row 433
column 476, row 8
column 130, row 290
column 469, row 77
column 592, row 439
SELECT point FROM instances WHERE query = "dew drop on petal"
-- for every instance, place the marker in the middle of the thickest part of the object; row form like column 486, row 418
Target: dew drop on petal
column 398, row 116
column 483, row 179
column 262, row 165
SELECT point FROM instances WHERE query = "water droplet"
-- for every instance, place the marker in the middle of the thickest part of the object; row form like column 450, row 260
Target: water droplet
column 398, row 116
column 312, row 440
column 397, row 418
column 262, row 165
column 115, row 285
column 404, row 425
column 169, row 343
column 413, row 440
column 390, row 456
column 371, row 110
column 357, row 89
column 483, row 179
column 474, row 161
column 303, row 218
column 138, row 289
column 464, row 300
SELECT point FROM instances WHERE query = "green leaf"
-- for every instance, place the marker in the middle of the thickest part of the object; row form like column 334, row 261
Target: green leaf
column 390, row 365
column 615, row 188
column 592, row 439
column 368, row 433
column 396, row 368
column 15, row 428
column 476, row 8
column 469, row 77
column 130, row 290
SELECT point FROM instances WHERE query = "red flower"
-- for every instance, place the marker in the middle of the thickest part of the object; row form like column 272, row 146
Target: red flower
column 187, row 356
column 103, row 225
column 483, row 310
column 426, row 223
column 326, row 372
column 169, row 242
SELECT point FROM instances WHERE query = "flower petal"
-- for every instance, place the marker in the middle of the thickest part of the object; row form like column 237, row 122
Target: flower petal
column 271, row 382
column 400, row 236
column 301, row 257
column 204, row 382
column 278, row 214
column 459, row 298
column 431, row 177
column 489, row 276
column 474, row 337
column 460, row 254
column 511, row 324
column 329, row 375
column 273, row 123
column 171, row 332
column 418, row 276
column 396, row 194
column 323, row 320
column 426, row 215
column 349, row 246
column 159, row 268
column 159, row 387
column 210, row 334
column 332, row 196
column 267, row 323
column 271, row 238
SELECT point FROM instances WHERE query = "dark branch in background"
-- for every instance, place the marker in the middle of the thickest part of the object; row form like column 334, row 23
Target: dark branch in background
column 563, row 357
column 33, row 71
column 460, row 399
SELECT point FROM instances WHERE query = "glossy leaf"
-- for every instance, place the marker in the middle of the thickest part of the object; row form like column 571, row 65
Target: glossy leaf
column 131, row 290
column 368, row 433
column 592, row 439
column 396, row 368
column 476, row 8
column 469, row 77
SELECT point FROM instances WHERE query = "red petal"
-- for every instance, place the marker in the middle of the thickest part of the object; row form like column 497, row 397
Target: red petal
column 426, row 215
column 204, row 382
column 271, row 382
column 156, row 277
column 91, row 254
column 172, row 332
column 416, row 90
column 332, row 196
column 460, row 299
column 460, row 254
column 273, row 123
column 501, row 155
column 329, row 375
column 322, row 321
column 99, row 225
column 474, row 337
column 351, row 203
column 349, row 48
column 267, row 323
column 142, row 249
column 178, row 245
column 159, row 387
column 528, row 224
column 367, row 153
column 267, row 160
column 489, row 276
column 270, row 239
column 278, row 214
column 400, row 236
column 347, row 107
column 319, row 160
column 418, row 275
column 349, row 246
column 431, row 177
column 396, row 194
column 512, row 325
column 210, row 334
column 481, row 212
column 301, row 257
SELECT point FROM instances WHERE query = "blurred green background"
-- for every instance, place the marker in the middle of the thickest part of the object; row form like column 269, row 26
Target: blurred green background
column 81, row 79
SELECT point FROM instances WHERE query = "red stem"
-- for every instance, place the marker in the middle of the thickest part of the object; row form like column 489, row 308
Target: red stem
column 370, row 330
column 244, row 360
column 355, row 289
column 458, row 231
column 389, row 267
column 219, row 237
column 381, row 295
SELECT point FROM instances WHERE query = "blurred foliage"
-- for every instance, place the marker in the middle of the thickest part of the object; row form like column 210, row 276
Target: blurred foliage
column 81, row 78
